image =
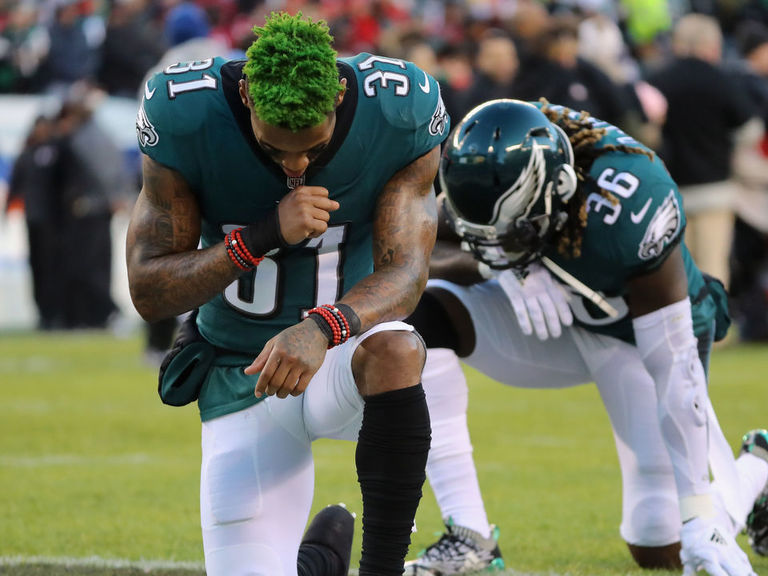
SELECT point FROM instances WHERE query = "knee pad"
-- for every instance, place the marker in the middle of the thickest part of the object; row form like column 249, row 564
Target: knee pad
column 652, row 521
column 232, row 486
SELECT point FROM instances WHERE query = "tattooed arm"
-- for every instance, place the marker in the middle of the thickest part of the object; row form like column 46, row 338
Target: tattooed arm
column 404, row 232
column 167, row 274
column 449, row 261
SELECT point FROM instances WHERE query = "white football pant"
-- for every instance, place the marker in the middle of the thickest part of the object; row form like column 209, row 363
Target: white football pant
column 650, row 511
column 257, row 472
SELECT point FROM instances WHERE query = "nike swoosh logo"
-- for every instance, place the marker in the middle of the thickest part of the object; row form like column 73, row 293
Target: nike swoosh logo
column 637, row 218
column 147, row 92
column 425, row 87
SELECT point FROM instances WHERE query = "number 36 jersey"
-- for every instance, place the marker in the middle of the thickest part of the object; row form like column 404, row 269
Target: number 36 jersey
column 192, row 120
column 631, row 234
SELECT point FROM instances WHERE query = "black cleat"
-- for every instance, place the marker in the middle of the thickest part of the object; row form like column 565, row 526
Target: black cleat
column 333, row 529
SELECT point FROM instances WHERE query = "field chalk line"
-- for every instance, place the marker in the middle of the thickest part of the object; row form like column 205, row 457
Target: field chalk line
column 117, row 563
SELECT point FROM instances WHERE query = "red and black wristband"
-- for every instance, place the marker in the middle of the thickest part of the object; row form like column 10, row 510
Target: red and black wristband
column 338, row 322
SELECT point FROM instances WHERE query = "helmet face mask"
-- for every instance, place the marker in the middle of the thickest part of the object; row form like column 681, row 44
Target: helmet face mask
column 507, row 173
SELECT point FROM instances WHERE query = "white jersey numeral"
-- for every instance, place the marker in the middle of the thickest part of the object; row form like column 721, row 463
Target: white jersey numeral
column 384, row 78
column 206, row 82
column 256, row 293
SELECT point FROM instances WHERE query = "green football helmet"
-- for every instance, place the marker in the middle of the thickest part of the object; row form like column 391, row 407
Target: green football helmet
column 507, row 173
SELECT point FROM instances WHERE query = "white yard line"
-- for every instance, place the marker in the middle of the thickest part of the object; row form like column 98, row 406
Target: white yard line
column 49, row 460
column 98, row 562
column 116, row 563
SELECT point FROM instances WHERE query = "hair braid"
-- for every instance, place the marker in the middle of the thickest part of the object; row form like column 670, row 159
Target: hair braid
column 584, row 136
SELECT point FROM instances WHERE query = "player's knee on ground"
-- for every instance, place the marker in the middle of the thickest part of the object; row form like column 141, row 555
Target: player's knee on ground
column 652, row 533
column 388, row 360
column 657, row 557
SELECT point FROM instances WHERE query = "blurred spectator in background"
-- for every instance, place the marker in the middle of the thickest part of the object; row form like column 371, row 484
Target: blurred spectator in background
column 187, row 29
column 556, row 72
column 23, row 46
column 445, row 20
column 75, row 37
column 33, row 182
column 133, row 45
column 92, row 181
column 358, row 28
column 527, row 24
column 705, row 109
column 186, row 21
column 602, row 44
column 455, row 75
column 647, row 23
column 749, row 254
column 496, row 66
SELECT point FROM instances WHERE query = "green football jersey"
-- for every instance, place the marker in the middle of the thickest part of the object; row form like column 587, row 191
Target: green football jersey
column 629, row 236
column 193, row 121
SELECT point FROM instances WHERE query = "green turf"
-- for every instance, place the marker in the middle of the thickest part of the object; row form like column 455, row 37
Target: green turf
column 93, row 465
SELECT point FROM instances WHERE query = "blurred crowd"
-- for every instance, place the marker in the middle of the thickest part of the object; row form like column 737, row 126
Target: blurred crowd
column 687, row 77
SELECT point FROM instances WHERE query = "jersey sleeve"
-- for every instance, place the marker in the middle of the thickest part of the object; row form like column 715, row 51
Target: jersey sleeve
column 424, row 112
column 172, row 110
column 409, row 100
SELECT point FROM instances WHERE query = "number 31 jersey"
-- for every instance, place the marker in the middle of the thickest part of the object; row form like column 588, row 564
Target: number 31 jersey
column 192, row 120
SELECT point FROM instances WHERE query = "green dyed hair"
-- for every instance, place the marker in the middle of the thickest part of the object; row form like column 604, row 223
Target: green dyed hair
column 291, row 71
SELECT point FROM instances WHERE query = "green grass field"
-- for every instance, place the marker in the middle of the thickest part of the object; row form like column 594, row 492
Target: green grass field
column 97, row 477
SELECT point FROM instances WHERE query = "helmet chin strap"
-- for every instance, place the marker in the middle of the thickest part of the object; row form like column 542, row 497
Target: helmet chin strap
column 580, row 287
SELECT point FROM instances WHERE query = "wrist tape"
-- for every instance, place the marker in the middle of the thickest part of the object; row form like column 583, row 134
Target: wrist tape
column 337, row 322
column 247, row 246
column 264, row 235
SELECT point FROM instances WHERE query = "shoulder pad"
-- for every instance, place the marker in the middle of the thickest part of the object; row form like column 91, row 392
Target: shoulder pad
column 176, row 101
column 407, row 96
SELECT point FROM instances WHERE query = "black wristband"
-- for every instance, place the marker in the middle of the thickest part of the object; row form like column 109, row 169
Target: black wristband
column 324, row 326
column 263, row 236
column 352, row 319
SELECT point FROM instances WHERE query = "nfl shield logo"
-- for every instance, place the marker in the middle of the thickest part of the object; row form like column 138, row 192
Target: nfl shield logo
column 295, row 181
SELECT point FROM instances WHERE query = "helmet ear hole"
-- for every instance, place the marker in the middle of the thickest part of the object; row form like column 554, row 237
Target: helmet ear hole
column 565, row 186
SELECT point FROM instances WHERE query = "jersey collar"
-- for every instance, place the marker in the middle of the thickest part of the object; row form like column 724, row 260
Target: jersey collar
column 232, row 72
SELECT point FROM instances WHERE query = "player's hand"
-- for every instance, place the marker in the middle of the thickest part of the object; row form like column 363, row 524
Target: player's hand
column 539, row 301
column 289, row 360
column 304, row 213
column 707, row 547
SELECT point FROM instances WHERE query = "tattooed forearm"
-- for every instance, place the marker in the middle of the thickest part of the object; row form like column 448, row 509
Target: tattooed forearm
column 404, row 234
column 167, row 274
column 162, row 231
column 170, row 285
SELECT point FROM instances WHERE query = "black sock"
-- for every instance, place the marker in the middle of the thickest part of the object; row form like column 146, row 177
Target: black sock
column 319, row 560
column 391, row 460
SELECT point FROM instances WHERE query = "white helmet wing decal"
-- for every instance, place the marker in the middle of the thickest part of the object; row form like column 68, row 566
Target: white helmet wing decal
column 521, row 196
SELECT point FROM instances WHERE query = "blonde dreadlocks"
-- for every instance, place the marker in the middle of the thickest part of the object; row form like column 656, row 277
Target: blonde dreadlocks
column 583, row 135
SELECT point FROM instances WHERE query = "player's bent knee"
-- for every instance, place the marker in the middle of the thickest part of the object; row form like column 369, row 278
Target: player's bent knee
column 652, row 521
column 388, row 360
column 657, row 557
